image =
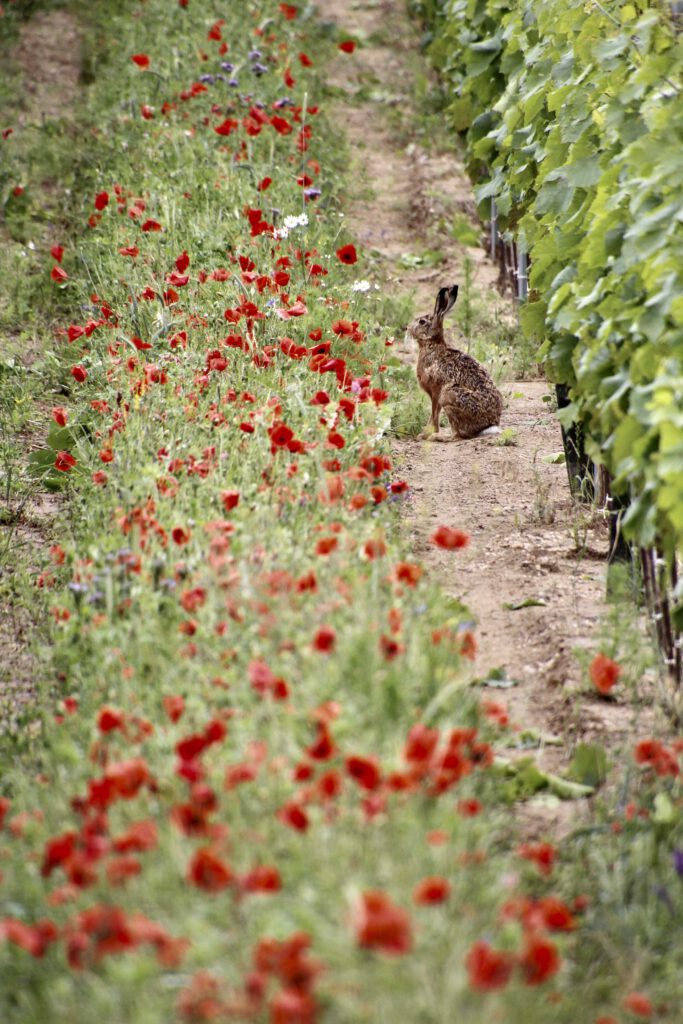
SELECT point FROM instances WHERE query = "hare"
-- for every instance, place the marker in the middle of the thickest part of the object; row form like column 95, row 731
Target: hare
column 454, row 381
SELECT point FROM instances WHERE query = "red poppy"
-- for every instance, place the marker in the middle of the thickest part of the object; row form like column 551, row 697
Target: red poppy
column 289, row 11
column 60, row 415
column 230, row 499
column 408, row 573
column 639, row 1004
column 57, row 274
column 294, row 816
column 420, row 744
column 180, row 535
column 101, row 200
column 263, row 878
column 364, row 771
column 64, row 462
column 604, row 673
column 293, row 1006
column 470, row 808
column 431, row 890
column 325, row 545
column 207, row 871
column 540, row 960
column 323, row 746
column 141, row 59
column 174, row 705
column 542, row 854
column 347, row 254
column 348, row 46
column 449, row 538
column 138, row 837
column 110, row 719
column 488, row 969
column 227, row 126
column 57, row 251
column 382, row 925
column 324, row 639
column 375, row 547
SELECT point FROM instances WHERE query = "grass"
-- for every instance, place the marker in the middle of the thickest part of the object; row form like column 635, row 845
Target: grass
column 231, row 777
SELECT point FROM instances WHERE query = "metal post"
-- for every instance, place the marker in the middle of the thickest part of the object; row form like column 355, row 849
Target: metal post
column 494, row 229
column 522, row 276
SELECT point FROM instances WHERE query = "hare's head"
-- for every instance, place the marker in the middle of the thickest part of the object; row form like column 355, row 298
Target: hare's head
column 429, row 327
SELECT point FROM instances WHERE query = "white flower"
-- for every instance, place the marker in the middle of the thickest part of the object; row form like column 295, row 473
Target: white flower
column 280, row 233
column 360, row 286
column 292, row 221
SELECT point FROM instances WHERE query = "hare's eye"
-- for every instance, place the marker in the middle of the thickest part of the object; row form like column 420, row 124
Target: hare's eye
column 423, row 320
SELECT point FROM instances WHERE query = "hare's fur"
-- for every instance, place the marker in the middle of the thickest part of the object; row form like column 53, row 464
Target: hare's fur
column 455, row 382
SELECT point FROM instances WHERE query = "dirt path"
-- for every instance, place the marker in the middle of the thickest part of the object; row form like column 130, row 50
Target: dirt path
column 47, row 58
column 529, row 541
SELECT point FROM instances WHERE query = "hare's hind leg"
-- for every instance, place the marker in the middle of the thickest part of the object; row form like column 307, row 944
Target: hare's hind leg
column 464, row 412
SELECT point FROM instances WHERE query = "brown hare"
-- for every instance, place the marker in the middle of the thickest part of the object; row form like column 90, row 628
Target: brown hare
column 454, row 381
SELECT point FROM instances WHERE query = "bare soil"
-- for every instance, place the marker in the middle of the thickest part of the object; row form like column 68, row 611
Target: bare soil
column 48, row 59
column 529, row 539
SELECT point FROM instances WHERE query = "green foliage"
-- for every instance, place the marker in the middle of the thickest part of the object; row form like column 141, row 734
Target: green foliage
column 573, row 115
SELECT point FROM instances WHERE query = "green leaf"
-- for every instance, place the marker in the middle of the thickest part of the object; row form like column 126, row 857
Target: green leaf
column 497, row 679
column 589, row 764
column 528, row 602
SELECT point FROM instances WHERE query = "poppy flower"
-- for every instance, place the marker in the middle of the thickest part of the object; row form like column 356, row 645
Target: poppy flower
column 230, row 499
column 420, row 744
column 263, row 878
column 324, row 639
column 289, row 11
column 141, row 59
column 293, row 1006
column 488, row 969
column 57, row 274
column 294, row 816
column 540, row 960
column 110, row 719
column 323, row 746
column 64, row 462
column 57, row 251
column 639, row 1005
column 138, row 837
column 347, row 46
column 347, row 254
column 382, row 925
column 101, row 200
column 542, row 854
column 449, row 538
column 207, row 871
column 227, row 126
column 364, row 771
column 431, row 890
column 60, row 415
column 174, row 705
column 604, row 673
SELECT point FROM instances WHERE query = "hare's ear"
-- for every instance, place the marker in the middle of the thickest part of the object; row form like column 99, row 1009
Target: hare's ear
column 445, row 301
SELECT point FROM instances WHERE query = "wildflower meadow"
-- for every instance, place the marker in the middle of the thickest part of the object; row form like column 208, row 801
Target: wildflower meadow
column 258, row 784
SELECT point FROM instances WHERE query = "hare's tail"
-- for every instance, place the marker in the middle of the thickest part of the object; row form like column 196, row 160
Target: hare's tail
column 489, row 430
